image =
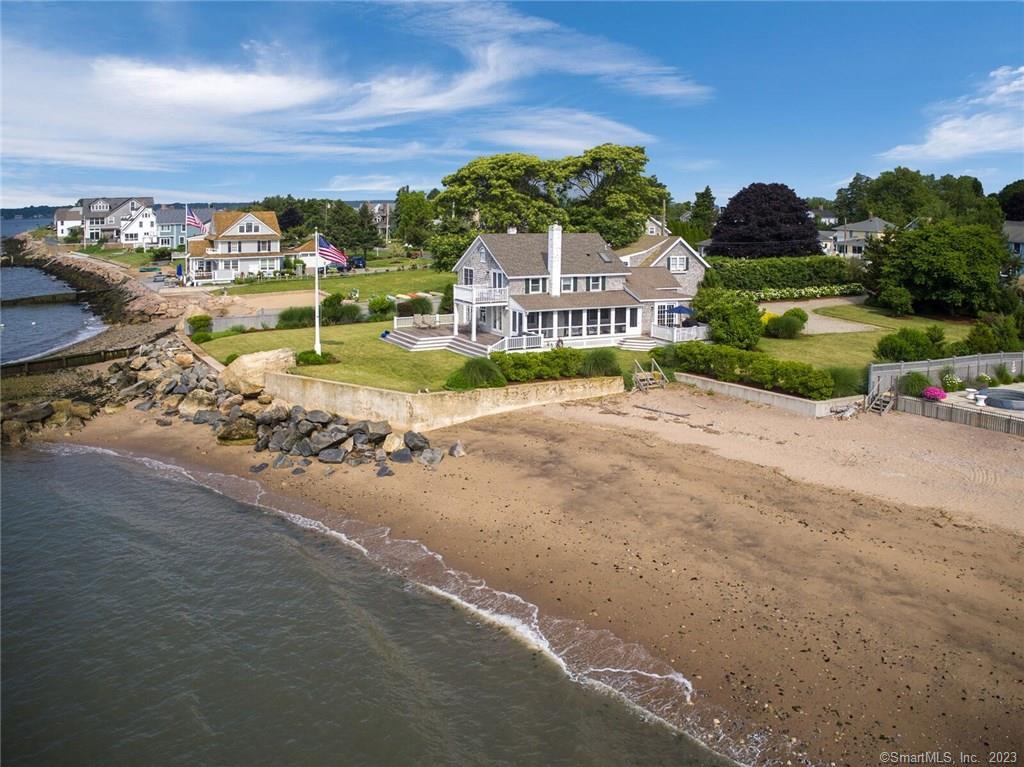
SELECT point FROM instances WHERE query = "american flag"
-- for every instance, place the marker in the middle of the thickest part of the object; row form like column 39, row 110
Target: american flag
column 191, row 219
column 330, row 252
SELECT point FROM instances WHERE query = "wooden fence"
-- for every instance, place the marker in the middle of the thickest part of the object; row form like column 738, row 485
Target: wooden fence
column 982, row 417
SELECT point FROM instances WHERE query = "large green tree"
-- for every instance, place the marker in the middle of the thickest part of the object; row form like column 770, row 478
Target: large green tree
column 1011, row 200
column 342, row 224
column 947, row 268
column 851, row 200
column 765, row 220
column 605, row 190
column 704, row 213
column 415, row 217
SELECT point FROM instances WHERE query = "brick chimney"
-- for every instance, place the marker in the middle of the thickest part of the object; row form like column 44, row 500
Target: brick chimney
column 555, row 260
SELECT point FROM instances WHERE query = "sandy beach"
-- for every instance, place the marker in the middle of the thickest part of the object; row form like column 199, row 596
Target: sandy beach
column 843, row 588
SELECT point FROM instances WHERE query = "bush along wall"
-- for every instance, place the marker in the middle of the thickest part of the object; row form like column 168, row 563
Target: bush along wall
column 793, row 272
column 763, row 371
column 814, row 291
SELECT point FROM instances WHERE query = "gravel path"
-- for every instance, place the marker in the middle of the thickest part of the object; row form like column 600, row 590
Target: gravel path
column 819, row 323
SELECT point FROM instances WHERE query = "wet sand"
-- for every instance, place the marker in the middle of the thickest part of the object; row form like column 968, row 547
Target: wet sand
column 842, row 623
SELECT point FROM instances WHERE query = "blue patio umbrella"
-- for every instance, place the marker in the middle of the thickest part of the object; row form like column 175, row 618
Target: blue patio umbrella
column 179, row 270
column 682, row 310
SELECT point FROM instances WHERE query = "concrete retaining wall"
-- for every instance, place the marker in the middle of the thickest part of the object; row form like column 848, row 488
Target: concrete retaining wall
column 805, row 407
column 435, row 410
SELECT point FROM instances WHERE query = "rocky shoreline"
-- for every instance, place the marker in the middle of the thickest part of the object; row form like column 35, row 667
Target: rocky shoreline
column 166, row 376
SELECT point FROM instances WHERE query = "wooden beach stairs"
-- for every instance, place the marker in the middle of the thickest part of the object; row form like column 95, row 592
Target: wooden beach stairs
column 648, row 379
column 880, row 402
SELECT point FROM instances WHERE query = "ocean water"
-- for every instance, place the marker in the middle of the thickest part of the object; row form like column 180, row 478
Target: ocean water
column 32, row 331
column 12, row 226
column 149, row 620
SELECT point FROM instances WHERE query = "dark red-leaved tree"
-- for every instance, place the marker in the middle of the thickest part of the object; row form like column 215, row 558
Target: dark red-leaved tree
column 765, row 220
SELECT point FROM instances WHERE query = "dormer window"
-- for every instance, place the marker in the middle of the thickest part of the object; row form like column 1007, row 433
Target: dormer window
column 249, row 228
column 483, row 254
column 595, row 283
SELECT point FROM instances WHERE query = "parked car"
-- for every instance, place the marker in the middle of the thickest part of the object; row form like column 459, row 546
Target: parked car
column 354, row 262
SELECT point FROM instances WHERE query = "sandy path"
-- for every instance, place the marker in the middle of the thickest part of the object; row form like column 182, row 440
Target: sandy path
column 819, row 323
column 805, row 611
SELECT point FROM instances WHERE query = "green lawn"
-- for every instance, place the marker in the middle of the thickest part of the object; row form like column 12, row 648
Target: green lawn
column 364, row 358
column 367, row 284
column 855, row 349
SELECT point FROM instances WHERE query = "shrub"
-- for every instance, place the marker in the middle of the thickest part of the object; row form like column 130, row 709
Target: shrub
column 334, row 311
column 797, row 312
column 201, row 337
column 380, row 306
column 950, row 380
column 476, row 373
column 231, row 358
column 909, row 344
column 814, row 291
column 447, row 300
column 236, row 329
column 418, row 305
column 767, row 316
column 1003, row 374
column 200, row 323
column 934, row 393
column 600, row 362
column 753, row 368
column 786, row 326
column 848, row 381
column 733, row 318
column 912, row 384
column 992, row 333
column 627, row 380
column 784, row 272
column 538, row 366
column 295, row 317
column 897, row 300
column 310, row 357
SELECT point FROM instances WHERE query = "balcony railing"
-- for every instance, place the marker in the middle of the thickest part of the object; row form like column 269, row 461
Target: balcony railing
column 678, row 334
column 479, row 294
column 518, row 343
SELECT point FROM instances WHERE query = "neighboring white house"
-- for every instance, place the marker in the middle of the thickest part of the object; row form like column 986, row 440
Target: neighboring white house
column 102, row 217
column 239, row 244
column 519, row 292
column 66, row 219
column 851, row 239
column 825, row 216
column 827, row 240
column 1014, row 232
column 171, row 230
column 139, row 229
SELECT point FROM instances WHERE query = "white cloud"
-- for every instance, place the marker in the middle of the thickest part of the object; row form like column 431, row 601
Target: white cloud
column 66, row 194
column 557, row 131
column 990, row 121
column 374, row 183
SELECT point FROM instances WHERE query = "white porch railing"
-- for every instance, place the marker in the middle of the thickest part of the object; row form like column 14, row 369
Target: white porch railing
column 679, row 334
column 530, row 342
column 479, row 294
column 424, row 321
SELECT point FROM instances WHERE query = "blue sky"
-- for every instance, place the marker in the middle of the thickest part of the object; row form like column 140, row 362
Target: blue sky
column 234, row 101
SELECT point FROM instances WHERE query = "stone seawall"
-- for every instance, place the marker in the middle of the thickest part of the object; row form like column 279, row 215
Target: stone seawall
column 435, row 410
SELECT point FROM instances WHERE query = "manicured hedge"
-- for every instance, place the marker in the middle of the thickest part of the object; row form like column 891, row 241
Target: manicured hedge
column 814, row 291
column 476, row 373
column 792, row 272
column 539, row 366
column 725, row 363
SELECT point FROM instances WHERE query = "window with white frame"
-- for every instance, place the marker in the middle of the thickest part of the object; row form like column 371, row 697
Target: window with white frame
column 131, row 237
column 537, row 285
column 231, row 264
column 99, row 206
column 568, row 284
column 664, row 315
column 263, row 246
column 268, row 264
column 483, row 254
column 467, row 275
column 679, row 263
column 595, row 283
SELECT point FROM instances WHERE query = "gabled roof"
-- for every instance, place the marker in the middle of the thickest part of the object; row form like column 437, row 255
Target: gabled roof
column 600, row 299
column 117, row 202
column 177, row 215
column 653, row 283
column 225, row 219
column 653, row 248
column 302, row 247
column 68, row 214
column 1014, row 231
column 874, row 224
column 526, row 255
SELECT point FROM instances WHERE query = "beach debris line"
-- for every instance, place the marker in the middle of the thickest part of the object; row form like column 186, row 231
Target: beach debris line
column 165, row 379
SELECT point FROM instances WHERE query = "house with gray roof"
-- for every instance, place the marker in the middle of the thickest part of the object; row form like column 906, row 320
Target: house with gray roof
column 1014, row 233
column 851, row 239
column 66, row 219
column 102, row 217
column 532, row 291
column 171, row 229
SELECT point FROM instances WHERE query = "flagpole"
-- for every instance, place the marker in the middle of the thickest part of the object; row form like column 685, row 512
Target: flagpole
column 316, row 292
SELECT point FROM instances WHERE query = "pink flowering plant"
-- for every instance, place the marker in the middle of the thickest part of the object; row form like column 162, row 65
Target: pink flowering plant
column 933, row 393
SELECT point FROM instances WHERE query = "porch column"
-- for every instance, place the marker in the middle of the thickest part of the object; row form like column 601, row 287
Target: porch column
column 455, row 320
column 508, row 322
column 472, row 325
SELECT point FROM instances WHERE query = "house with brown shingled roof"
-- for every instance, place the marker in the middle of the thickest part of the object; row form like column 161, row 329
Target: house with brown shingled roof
column 240, row 245
column 532, row 291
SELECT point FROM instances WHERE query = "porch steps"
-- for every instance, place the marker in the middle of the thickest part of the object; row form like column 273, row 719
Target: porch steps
column 882, row 403
column 414, row 343
column 642, row 344
column 644, row 380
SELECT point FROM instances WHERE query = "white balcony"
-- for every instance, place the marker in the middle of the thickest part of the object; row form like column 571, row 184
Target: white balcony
column 479, row 294
column 677, row 335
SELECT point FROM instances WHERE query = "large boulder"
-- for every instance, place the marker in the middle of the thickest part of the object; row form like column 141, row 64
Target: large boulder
column 14, row 432
column 416, row 441
column 324, row 440
column 332, row 455
column 247, row 374
column 240, row 432
column 273, row 414
column 196, row 400
column 32, row 413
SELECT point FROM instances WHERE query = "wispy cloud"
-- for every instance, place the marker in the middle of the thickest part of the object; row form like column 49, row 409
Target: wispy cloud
column 557, row 131
column 986, row 122
column 374, row 183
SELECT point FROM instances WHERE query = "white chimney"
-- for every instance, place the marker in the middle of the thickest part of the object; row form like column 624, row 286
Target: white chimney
column 555, row 260
column 513, row 230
